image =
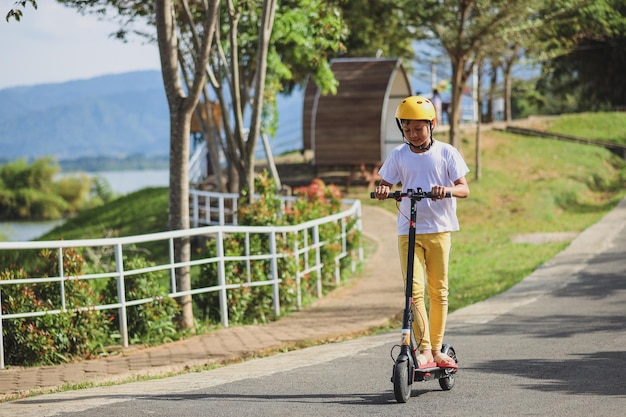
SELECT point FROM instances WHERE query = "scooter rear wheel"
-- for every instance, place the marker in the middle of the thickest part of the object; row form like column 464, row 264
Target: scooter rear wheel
column 447, row 383
column 401, row 387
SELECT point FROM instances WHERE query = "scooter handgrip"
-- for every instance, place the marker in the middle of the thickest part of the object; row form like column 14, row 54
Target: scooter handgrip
column 395, row 194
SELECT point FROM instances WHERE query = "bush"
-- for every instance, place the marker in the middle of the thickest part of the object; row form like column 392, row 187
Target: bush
column 152, row 322
column 79, row 331
column 50, row 338
column 253, row 304
column 31, row 191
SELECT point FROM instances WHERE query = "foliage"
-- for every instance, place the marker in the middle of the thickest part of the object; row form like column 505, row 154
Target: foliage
column 588, row 57
column 16, row 13
column 75, row 191
column 467, row 31
column 253, row 304
column 32, row 192
column 51, row 338
column 152, row 322
column 379, row 28
column 79, row 331
column 101, row 191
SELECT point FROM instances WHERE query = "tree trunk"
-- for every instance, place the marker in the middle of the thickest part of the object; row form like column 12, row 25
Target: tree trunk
column 454, row 109
column 460, row 76
column 507, row 95
column 507, row 68
column 179, row 208
column 181, row 106
column 265, row 32
column 492, row 92
column 477, row 161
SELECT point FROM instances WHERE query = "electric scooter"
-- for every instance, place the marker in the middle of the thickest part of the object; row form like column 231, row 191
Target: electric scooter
column 405, row 368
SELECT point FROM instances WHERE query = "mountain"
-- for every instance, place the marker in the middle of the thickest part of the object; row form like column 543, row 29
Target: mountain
column 113, row 115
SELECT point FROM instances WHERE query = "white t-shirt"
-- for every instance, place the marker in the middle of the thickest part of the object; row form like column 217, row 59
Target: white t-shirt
column 442, row 164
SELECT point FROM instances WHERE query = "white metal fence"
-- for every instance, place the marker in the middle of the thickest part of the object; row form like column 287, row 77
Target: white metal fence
column 306, row 250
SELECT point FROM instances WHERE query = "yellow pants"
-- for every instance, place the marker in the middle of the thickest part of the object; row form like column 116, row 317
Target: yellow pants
column 432, row 252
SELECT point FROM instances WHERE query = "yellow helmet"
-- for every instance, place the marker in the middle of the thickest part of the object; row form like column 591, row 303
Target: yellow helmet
column 416, row 108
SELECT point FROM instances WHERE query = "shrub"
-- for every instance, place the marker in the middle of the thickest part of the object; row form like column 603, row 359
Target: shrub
column 50, row 338
column 152, row 322
column 253, row 304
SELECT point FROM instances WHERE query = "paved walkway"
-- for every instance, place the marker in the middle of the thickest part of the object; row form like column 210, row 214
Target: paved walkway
column 369, row 301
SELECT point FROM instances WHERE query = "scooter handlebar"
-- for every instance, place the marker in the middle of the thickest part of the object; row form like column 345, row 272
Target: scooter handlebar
column 416, row 194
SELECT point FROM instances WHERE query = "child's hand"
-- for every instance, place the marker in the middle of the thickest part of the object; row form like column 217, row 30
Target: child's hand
column 438, row 192
column 381, row 192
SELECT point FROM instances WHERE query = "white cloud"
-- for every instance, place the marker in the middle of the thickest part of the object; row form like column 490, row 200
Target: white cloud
column 56, row 44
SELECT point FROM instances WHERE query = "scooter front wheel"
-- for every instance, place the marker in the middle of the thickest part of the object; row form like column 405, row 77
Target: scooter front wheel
column 401, row 386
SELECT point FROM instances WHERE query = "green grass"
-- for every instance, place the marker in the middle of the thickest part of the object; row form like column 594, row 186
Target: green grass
column 607, row 126
column 138, row 213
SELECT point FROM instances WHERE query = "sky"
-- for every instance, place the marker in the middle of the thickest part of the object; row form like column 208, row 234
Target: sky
column 56, row 44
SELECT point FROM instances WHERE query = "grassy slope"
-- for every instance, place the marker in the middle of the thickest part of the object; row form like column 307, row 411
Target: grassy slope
column 528, row 185
column 141, row 212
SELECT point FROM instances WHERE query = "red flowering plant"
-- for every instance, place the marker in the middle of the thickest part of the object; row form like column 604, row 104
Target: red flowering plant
column 319, row 200
column 316, row 200
column 253, row 304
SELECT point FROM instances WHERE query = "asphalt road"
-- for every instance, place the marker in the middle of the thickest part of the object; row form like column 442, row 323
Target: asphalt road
column 551, row 346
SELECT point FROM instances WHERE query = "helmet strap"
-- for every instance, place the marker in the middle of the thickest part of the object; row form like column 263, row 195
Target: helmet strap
column 421, row 147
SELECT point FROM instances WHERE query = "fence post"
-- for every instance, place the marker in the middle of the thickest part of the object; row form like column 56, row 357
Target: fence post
column 343, row 251
column 220, row 204
column 196, row 208
column 318, row 259
column 221, row 278
column 121, row 294
column 298, row 275
column 174, row 287
column 276, row 286
column 1, row 334
column 248, row 266
column 359, row 228
column 62, row 276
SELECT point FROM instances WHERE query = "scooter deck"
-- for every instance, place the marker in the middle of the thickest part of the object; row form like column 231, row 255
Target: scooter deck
column 430, row 373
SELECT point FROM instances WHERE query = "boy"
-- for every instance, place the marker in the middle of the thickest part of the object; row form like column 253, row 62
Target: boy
column 422, row 162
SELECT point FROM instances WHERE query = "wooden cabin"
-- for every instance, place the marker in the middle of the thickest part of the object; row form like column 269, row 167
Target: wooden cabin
column 357, row 126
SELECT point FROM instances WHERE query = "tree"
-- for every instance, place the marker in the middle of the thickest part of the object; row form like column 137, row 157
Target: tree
column 464, row 29
column 378, row 28
column 173, row 20
column 584, row 54
column 232, row 46
column 182, row 103
column 304, row 35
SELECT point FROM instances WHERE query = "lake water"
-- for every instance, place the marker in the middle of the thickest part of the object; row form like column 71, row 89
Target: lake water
column 122, row 182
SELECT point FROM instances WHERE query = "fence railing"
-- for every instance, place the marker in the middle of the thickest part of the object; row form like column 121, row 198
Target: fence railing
column 306, row 251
